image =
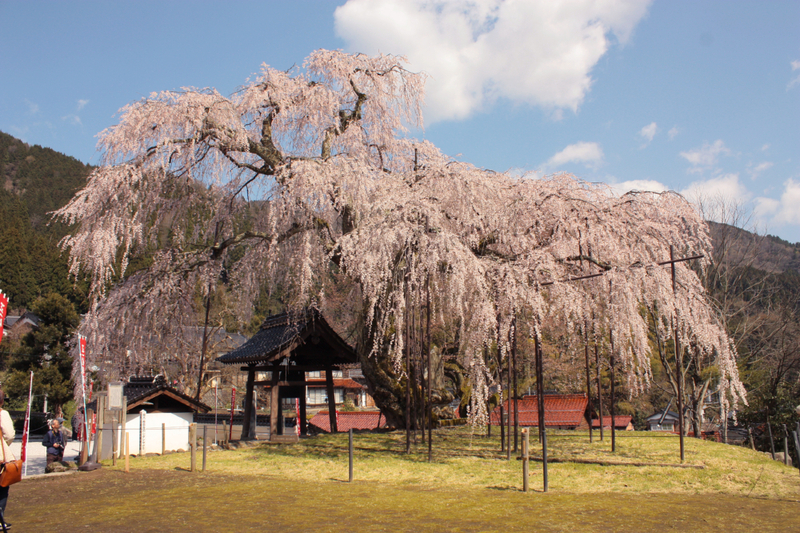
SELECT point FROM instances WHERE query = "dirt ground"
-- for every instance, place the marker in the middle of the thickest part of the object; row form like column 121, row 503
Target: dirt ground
column 151, row 500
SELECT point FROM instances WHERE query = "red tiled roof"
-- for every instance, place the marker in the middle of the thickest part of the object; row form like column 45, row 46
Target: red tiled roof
column 345, row 383
column 621, row 421
column 560, row 410
column 350, row 420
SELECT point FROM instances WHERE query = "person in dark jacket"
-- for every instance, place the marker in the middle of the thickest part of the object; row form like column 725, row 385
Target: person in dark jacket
column 56, row 441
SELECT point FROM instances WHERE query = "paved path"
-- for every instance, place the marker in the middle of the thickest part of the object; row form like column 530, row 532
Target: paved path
column 37, row 454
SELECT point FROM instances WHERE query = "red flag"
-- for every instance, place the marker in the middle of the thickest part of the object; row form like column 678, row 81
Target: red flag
column 3, row 311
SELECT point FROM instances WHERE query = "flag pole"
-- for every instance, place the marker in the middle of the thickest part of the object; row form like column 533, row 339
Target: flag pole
column 82, row 350
column 26, row 430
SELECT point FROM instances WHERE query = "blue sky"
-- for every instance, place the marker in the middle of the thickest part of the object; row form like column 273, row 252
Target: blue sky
column 701, row 97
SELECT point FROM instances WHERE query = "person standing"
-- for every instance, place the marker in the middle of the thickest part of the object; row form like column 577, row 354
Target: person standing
column 7, row 429
column 55, row 441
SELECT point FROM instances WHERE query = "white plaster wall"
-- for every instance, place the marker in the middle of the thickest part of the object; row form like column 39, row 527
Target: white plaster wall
column 176, row 427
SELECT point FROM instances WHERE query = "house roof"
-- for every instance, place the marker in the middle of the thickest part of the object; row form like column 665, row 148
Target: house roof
column 305, row 337
column 559, row 410
column 621, row 421
column 671, row 415
column 348, row 420
column 141, row 389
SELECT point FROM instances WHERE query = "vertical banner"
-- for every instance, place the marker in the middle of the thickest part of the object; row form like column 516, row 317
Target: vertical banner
column 27, row 427
column 233, row 408
column 3, row 311
column 297, row 412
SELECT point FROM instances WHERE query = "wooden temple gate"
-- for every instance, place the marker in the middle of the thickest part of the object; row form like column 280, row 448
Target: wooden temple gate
column 289, row 345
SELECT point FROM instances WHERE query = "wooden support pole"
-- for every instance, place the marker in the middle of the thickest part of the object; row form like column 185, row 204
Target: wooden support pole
column 771, row 440
column 192, row 447
column 225, row 435
column 525, row 459
column 248, row 422
column 588, row 378
column 114, row 439
column 205, row 445
column 750, row 436
column 127, row 452
column 545, row 479
column 163, row 438
column 785, row 446
column 678, row 358
column 613, row 395
column 510, row 410
column 331, row 398
column 350, row 455
column 515, row 392
column 599, row 388
column 430, row 374
column 101, row 408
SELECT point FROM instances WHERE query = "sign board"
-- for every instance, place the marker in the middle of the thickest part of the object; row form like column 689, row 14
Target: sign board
column 115, row 399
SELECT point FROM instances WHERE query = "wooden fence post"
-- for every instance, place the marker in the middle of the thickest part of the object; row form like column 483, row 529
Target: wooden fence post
column 101, row 407
column 127, row 452
column 114, row 441
column 193, row 446
column 350, row 453
column 544, row 459
column 163, row 438
column 525, row 459
column 205, row 445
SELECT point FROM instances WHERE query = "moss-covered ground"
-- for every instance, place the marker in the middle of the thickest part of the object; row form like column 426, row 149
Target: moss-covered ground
column 469, row 486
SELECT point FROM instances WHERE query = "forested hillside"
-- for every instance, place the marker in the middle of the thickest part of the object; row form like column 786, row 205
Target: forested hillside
column 35, row 181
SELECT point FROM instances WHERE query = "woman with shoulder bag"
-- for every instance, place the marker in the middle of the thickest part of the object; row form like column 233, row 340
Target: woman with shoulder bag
column 7, row 427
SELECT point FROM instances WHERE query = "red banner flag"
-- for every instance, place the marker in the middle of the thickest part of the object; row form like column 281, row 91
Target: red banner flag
column 3, row 311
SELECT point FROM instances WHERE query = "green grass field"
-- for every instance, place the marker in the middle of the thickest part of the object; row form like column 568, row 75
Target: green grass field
column 469, row 486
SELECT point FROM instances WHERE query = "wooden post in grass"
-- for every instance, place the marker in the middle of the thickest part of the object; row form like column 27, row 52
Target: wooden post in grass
column 205, row 446
column 163, row 438
column 114, row 440
column 771, row 441
column 127, row 452
column 525, row 459
column 192, row 447
column 796, row 436
column 750, row 436
column 224, row 432
column 350, row 455
column 98, row 447
column 544, row 459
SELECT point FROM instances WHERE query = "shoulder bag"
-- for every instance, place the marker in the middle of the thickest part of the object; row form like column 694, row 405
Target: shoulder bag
column 10, row 471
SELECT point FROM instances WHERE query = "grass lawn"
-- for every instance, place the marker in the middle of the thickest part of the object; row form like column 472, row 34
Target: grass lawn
column 469, row 486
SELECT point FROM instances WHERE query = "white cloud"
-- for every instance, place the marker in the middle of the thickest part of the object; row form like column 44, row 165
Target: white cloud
column 717, row 194
column 638, row 185
column 74, row 119
column 673, row 132
column 539, row 53
column 82, row 104
column 796, row 79
column 765, row 147
column 758, row 169
column 705, row 156
column 648, row 132
column 783, row 211
column 32, row 107
column 590, row 154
